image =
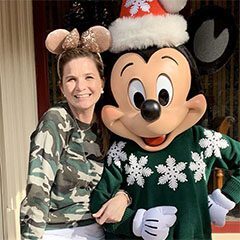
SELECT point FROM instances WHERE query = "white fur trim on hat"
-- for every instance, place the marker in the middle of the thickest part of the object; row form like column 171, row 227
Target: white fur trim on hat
column 140, row 33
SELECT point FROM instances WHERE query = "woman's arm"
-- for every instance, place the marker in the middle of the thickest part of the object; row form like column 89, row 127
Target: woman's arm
column 113, row 210
column 43, row 165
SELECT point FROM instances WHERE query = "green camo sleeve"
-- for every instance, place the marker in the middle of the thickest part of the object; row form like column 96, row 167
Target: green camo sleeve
column 45, row 150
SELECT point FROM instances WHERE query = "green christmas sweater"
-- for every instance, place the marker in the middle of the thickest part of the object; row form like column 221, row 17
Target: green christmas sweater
column 175, row 176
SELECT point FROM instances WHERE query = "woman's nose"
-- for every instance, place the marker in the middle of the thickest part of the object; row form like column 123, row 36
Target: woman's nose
column 80, row 85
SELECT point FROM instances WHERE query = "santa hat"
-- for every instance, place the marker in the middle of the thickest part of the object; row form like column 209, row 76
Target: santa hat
column 145, row 23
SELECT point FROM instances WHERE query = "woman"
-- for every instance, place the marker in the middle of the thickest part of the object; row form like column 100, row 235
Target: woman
column 66, row 157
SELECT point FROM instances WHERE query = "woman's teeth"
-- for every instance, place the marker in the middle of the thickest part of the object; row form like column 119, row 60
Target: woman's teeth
column 82, row 95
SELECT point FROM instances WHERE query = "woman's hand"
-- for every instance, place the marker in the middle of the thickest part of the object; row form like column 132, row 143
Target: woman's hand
column 112, row 211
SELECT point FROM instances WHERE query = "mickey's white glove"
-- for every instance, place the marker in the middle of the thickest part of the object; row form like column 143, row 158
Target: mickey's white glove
column 219, row 205
column 154, row 223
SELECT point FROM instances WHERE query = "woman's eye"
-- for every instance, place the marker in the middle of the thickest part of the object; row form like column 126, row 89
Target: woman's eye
column 164, row 90
column 89, row 77
column 70, row 79
column 136, row 93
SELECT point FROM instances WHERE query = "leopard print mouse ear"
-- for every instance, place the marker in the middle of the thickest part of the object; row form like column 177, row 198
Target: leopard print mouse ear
column 96, row 39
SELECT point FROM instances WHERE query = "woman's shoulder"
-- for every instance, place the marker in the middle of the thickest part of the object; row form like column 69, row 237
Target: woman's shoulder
column 55, row 120
column 59, row 113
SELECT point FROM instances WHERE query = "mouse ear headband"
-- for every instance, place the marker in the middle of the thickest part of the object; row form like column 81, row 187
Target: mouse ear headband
column 96, row 39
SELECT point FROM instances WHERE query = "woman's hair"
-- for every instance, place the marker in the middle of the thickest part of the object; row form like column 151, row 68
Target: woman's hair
column 66, row 57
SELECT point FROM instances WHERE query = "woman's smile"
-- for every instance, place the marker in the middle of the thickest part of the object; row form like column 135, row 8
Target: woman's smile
column 83, row 95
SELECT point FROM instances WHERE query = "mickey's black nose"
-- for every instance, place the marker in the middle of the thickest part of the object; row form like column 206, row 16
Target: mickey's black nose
column 150, row 110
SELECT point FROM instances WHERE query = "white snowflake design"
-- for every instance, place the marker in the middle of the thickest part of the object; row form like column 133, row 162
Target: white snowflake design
column 198, row 166
column 172, row 173
column 137, row 171
column 213, row 143
column 115, row 154
column 136, row 4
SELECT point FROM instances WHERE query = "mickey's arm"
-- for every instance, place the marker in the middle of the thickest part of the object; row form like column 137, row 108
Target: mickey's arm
column 109, row 185
column 231, row 157
column 222, row 201
column 150, row 224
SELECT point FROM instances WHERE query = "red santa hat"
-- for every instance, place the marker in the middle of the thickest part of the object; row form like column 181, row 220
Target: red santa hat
column 145, row 23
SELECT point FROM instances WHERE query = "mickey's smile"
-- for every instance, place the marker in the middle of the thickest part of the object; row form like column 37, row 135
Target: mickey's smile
column 156, row 141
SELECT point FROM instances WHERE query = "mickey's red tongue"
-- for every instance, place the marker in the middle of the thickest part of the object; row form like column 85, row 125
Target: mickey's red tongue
column 153, row 142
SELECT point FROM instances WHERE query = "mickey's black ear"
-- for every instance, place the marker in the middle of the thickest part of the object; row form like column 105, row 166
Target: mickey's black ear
column 213, row 33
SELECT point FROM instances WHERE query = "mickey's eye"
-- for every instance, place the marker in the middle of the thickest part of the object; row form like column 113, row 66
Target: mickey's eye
column 136, row 93
column 164, row 90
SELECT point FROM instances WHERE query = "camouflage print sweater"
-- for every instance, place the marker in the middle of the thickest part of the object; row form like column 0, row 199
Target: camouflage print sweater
column 65, row 165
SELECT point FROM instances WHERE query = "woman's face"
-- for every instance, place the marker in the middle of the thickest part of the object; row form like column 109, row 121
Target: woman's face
column 81, row 84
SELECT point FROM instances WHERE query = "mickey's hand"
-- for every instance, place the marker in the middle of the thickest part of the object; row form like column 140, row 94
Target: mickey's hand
column 154, row 223
column 219, row 205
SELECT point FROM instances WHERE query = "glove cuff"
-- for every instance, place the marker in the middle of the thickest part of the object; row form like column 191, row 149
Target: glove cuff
column 137, row 222
column 222, row 200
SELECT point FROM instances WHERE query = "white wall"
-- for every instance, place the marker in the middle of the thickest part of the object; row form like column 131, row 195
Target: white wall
column 18, row 108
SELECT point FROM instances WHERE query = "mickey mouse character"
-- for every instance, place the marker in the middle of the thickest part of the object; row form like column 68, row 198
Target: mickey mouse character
column 162, row 158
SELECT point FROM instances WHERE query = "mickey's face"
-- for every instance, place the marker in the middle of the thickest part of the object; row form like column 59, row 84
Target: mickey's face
column 151, row 96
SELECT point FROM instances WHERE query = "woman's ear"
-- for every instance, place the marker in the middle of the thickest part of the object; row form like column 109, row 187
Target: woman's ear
column 213, row 34
column 61, row 86
column 103, row 83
